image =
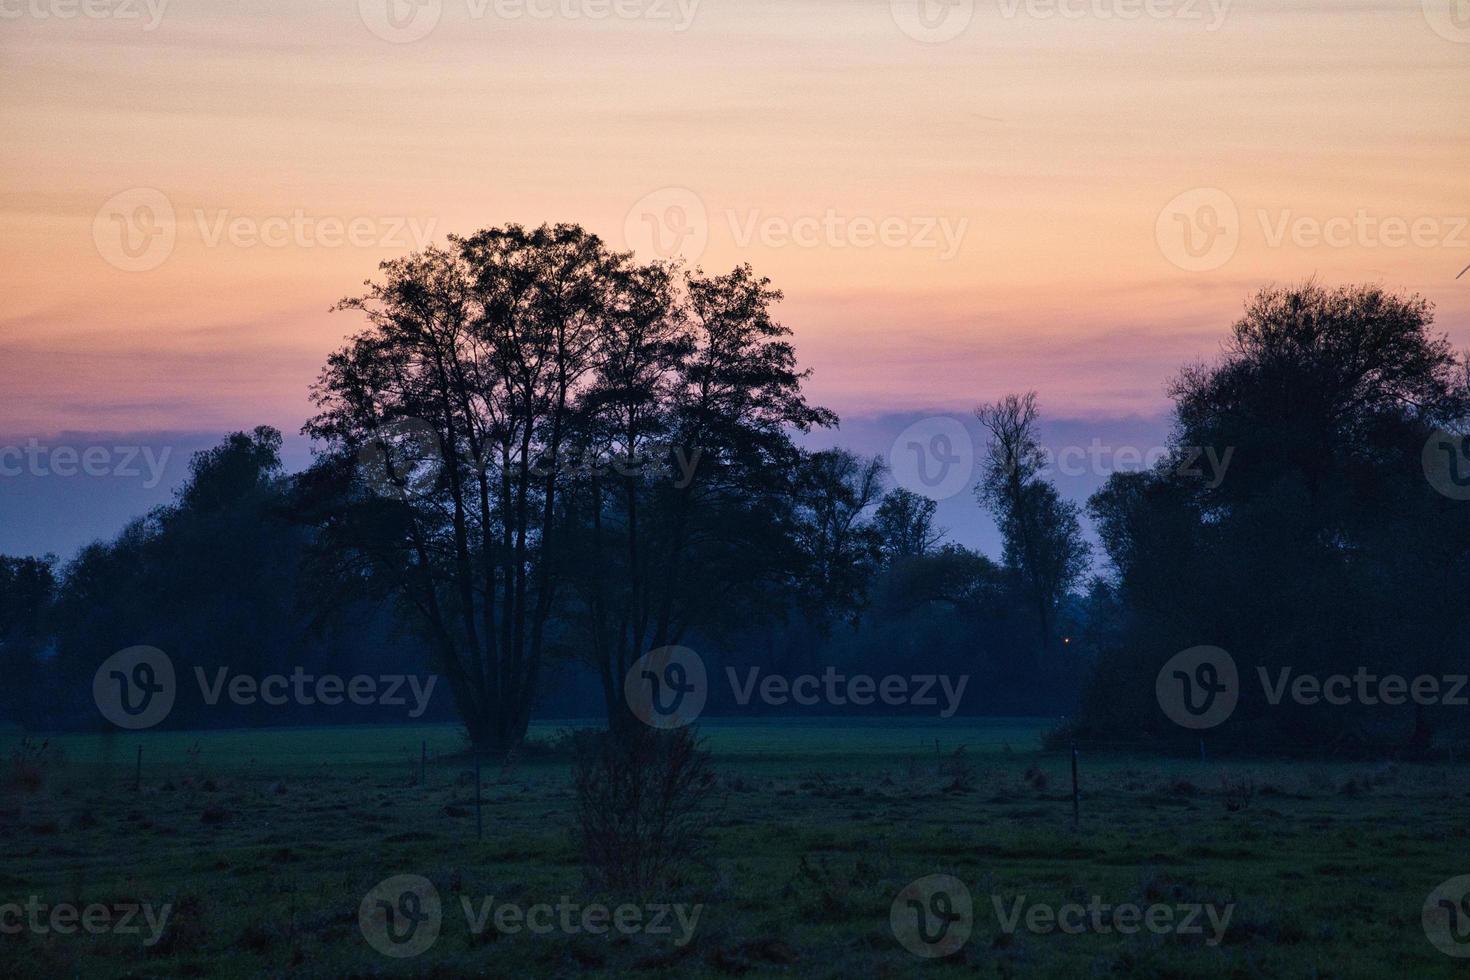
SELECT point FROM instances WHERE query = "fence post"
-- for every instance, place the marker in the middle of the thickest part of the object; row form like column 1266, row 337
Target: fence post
column 1076, row 797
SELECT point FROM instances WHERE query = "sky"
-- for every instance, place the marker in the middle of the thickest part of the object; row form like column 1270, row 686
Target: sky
column 959, row 198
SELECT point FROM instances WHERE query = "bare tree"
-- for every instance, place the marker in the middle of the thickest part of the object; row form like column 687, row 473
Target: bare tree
column 1044, row 547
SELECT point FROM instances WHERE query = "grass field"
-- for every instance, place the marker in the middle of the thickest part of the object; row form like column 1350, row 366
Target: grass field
column 265, row 843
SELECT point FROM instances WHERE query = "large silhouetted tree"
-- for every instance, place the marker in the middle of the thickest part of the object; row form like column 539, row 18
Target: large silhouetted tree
column 607, row 444
column 1323, row 548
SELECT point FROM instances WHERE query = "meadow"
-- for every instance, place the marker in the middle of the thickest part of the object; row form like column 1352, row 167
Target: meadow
column 265, row 843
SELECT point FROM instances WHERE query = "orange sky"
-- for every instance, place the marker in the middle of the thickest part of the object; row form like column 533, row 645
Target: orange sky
column 950, row 219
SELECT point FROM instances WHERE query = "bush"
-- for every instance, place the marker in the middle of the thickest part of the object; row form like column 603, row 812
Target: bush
column 640, row 797
column 30, row 763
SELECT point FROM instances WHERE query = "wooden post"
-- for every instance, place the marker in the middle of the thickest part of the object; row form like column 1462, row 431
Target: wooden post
column 479, row 822
column 1076, row 797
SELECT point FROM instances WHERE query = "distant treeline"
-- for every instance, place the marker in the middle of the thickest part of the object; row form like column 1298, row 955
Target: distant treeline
column 541, row 460
column 226, row 581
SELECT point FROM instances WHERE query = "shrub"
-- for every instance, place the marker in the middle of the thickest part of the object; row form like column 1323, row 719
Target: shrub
column 1237, row 792
column 30, row 762
column 958, row 770
column 640, row 802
